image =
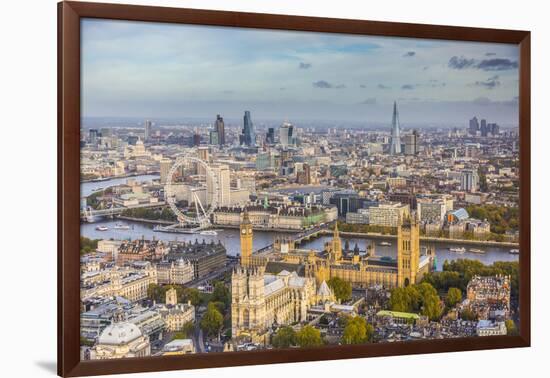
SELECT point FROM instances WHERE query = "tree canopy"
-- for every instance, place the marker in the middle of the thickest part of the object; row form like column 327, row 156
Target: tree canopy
column 87, row 245
column 341, row 288
column 284, row 338
column 309, row 337
column 454, row 296
column 212, row 321
column 420, row 298
column 357, row 331
column 459, row 272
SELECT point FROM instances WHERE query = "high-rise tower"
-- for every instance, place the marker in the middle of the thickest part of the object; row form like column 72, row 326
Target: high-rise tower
column 246, row 240
column 147, row 130
column 395, row 147
column 220, row 129
column 248, row 137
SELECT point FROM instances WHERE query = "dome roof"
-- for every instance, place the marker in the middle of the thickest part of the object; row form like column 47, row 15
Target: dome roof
column 119, row 333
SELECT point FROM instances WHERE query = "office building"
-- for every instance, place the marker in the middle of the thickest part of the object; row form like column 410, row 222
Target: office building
column 411, row 143
column 222, row 179
column 469, row 180
column 474, row 126
column 388, row 214
column 286, row 135
column 165, row 165
column 248, row 137
column 219, row 127
column 147, row 134
column 270, row 136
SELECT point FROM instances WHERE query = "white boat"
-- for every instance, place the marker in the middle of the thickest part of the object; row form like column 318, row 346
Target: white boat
column 458, row 250
column 102, row 228
column 385, row 244
column 475, row 250
column 120, row 226
column 209, row 233
column 514, row 251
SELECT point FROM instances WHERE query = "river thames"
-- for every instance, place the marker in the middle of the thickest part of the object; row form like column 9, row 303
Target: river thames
column 230, row 237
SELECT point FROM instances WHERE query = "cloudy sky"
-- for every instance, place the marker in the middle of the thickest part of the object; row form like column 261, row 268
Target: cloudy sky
column 138, row 69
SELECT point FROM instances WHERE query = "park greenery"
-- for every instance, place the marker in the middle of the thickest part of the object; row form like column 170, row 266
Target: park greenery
column 459, row 272
column 309, row 336
column 212, row 321
column 164, row 214
column 95, row 200
column 340, row 288
column 357, row 331
column 284, row 338
column 366, row 228
column 185, row 332
column 454, row 296
column 87, row 245
column 501, row 218
column 421, row 298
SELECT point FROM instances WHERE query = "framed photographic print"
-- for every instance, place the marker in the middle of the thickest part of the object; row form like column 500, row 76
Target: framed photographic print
column 239, row 188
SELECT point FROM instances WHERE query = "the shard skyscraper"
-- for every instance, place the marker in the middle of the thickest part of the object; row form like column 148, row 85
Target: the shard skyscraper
column 395, row 146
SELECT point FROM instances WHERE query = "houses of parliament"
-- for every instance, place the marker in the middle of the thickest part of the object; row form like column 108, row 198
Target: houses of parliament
column 279, row 288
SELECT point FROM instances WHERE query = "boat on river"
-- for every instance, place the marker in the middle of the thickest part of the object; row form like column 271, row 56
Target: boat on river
column 102, row 228
column 475, row 250
column 120, row 226
column 458, row 250
column 514, row 251
column 385, row 244
column 209, row 233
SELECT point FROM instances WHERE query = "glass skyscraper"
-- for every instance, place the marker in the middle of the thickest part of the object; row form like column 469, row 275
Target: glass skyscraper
column 248, row 138
column 395, row 147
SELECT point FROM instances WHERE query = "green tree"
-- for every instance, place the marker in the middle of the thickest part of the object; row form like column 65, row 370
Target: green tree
column 186, row 331
column 357, row 331
column 284, row 338
column 511, row 329
column 430, row 303
column 421, row 298
column 341, row 288
column 193, row 295
column 212, row 321
column 222, row 294
column 87, row 245
column 454, row 296
column 467, row 314
column 309, row 337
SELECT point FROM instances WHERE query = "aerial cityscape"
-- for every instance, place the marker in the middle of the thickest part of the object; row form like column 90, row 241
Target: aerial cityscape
column 370, row 195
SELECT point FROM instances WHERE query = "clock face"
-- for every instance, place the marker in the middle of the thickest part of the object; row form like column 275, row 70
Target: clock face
column 243, row 231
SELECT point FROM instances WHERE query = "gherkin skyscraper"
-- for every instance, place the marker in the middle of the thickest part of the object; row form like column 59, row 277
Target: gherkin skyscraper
column 395, row 146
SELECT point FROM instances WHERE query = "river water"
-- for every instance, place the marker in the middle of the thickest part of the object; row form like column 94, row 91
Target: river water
column 230, row 237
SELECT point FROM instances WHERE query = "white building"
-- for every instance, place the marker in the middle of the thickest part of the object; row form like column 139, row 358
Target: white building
column 388, row 214
column 489, row 328
column 121, row 340
column 222, row 176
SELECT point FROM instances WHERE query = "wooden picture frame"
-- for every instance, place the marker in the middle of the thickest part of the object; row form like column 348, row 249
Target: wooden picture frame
column 69, row 16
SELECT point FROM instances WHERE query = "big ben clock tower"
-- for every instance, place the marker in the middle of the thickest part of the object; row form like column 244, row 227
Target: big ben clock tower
column 246, row 240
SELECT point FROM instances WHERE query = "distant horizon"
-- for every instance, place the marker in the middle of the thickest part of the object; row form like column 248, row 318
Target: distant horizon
column 170, row 71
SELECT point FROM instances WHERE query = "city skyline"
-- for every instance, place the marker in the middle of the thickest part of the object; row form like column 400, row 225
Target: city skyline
column 193, row 71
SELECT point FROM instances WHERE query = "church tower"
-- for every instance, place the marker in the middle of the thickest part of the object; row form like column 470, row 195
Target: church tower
column 336, row 245
column 171, row 297
column 408, row 251
column 246, row 239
